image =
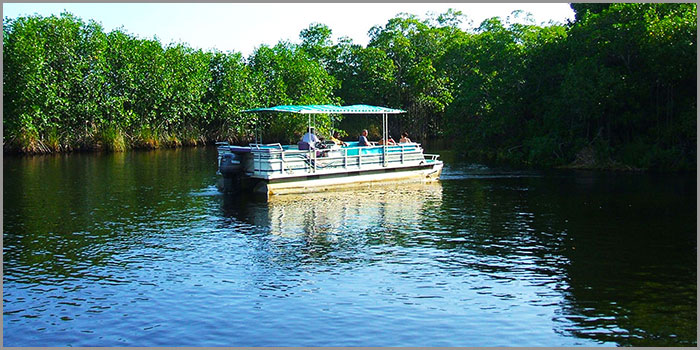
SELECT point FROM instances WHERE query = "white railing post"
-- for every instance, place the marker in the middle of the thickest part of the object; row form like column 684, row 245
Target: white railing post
column 313, row 161
column 282, row 162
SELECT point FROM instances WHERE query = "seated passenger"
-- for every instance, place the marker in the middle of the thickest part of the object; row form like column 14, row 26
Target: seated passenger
column 404, row 138
column 336, row 140
column 321, row 148
column 390, row 141
column 363, row 139
column 308, row 141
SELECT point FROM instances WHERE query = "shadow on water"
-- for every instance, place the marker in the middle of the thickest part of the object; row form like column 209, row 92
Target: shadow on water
column 632, row 248
column 621, row 247
column 539, row 257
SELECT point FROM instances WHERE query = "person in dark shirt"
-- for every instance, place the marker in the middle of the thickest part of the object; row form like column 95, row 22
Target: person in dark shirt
column 363, row 139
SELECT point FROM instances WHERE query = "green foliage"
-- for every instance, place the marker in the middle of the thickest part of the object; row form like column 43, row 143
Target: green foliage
column 615, row 88
column 583, row 9
column 112, row 139
column 147, row 137
column 619, row 85
column 69, row 85
column 412, row 79
column 286, row 75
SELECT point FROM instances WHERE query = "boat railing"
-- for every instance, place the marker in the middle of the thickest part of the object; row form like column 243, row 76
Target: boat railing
column 267, row 146
column 431, row 157
column 268, row 159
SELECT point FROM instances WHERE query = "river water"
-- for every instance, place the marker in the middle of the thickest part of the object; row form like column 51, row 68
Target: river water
column 140, row 249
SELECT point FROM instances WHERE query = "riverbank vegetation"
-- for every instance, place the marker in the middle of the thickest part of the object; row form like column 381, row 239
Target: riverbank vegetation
column 615, row 88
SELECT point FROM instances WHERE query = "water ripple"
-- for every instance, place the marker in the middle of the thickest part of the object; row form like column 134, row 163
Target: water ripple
column 147, row 256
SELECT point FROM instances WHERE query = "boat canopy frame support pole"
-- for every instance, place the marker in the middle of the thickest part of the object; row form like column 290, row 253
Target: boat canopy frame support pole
column 385, row 137
column 258, row 134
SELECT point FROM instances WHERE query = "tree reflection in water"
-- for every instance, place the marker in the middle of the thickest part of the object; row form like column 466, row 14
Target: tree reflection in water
column 561, row 258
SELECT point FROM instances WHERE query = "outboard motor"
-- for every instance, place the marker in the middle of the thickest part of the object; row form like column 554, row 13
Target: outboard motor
column 230, row 164
column 231, row 171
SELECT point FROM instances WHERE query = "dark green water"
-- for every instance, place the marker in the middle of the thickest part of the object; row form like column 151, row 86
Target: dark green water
column 140, row 249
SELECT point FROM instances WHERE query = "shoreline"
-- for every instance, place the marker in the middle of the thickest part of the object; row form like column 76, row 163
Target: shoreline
column 612, row 166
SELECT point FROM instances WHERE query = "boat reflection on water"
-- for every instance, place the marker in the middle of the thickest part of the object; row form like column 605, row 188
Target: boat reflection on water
column 338, row 212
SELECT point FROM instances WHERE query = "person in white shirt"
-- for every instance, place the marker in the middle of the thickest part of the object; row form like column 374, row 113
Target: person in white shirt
column 310, row 138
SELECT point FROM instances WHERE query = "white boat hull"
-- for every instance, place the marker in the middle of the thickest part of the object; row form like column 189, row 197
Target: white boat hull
column 366, row 179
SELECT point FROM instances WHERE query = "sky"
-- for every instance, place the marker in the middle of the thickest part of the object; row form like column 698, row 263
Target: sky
column 242, row 27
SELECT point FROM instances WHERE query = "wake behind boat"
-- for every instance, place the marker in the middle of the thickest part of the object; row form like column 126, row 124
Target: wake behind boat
column 271, row 169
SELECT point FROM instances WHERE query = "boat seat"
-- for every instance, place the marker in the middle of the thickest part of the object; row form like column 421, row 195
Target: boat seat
column 303, row 145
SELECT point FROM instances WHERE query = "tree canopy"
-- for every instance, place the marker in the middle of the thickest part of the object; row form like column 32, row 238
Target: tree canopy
column 616, row 87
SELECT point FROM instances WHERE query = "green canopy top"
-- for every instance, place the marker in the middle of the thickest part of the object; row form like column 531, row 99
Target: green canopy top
column 328, row 109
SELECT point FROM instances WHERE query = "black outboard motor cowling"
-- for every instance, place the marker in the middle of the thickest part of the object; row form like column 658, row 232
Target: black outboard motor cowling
column 230, row 164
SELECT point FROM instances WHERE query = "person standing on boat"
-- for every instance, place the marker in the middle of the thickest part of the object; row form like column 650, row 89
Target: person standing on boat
column 310, row 138
column 404, row 138
column 363, row 139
